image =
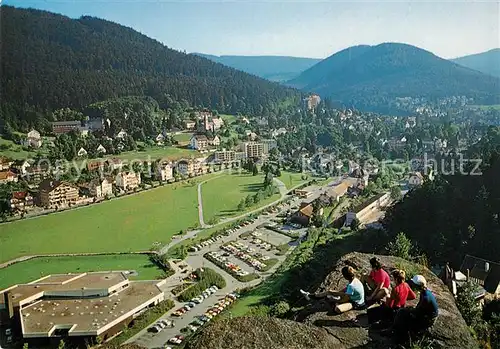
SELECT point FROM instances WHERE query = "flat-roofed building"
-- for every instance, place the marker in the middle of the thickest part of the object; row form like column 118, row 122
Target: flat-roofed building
column 78, row 305
column 253, row 149
column 60, row 127
column 225, row 156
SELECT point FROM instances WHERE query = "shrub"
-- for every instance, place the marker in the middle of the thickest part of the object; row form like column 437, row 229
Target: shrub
column 280, row 309
column 466, row 303
column 206, row 278
column 401, row 246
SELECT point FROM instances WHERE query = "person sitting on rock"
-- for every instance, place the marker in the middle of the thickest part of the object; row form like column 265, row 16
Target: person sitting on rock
column 378, row 282
column 399, row 295
column 422, row 317
column 353, row 296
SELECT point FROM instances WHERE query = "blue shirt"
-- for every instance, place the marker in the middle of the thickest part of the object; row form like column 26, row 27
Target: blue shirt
column 427, row 305
column 356, row 292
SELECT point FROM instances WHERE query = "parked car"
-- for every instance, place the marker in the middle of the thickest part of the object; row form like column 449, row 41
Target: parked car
column 154, row 329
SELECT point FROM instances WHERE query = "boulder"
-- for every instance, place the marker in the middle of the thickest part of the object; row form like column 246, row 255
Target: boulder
column 262, row 333
column 449, row 331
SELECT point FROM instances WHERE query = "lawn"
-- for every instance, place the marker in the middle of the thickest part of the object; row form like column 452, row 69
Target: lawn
column 292, row 179
column 222, row 195
column 36, row 268
column 14, row 151
column 183, row 138
column 131, row 223
column 486, row 107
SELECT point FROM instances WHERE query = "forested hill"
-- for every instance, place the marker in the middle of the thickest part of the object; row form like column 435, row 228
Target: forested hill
column 374, row 75
column 50, row 61
column 486, row 62
column 274, row 68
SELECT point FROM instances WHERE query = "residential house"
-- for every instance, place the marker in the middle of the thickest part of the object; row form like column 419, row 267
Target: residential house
column 185, row 167
column 214, row 141
column 338, row 191
column 199, row 142
column 36, row 174
column 95, row 165
column 5, row 163
column 114, row 164
column 165, row 171
column 245, row 120
column 312, row 102
column 303, row 215
column 278, row 132
column 416, row 179
column 33, row 139
column 100, row 149
column 98, row 188
column 121, row 135
column 252, row 136
column 128, row 180
column 60, row 127
column 189, row 124
column 21, row 166
column 160, row 139
column 225, row 156
column 54, row 193
column 8, row 176
column 481, row 272
column 21, row 201
column 253, row 150
column 217, row 124
column 82, row 152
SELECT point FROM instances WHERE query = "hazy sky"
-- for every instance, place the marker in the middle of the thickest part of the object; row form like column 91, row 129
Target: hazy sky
column 297, row 28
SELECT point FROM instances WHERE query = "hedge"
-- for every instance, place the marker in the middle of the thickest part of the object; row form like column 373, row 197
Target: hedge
column 207, row 278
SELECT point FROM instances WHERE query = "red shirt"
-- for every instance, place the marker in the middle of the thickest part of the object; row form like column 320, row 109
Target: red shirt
column 380, row 276
column 399, row 295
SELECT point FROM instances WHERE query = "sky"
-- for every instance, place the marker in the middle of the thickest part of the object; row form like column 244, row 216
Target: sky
column 297, row 28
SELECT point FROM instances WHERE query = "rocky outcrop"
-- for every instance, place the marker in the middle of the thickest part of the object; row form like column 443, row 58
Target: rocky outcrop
column 263, row 333
column 318, row 327
column 449, row 331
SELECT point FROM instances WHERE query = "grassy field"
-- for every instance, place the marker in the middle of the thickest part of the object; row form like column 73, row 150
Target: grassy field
column 131, row 223
column 36, row 268
column 228, row 118
column 14, row 151
column 183, row 138
column 222, row 195
column 291, row 179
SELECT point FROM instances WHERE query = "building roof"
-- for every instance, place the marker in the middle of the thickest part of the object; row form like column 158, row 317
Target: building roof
column 307, row 210
column 66, row 123
column 417, row 174
column 483, row 270
column 200, row 138
column 49, row 184
column 19, row 195
column 7, row 174
column 368, row 202
column 107, row 299
column 338, row 190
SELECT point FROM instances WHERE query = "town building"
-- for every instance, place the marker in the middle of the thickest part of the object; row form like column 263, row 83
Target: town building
column 121, row 135
column 303, row 215
column 165, row 171
column 160, row 139
column 100, row 149
column 95, row 124
column 278, row 132
column 268, row 145
column 60, row 127
column 114, row 164
column 312, row 102
column 416, row 179
column 483, row 273
column 97, row 188
column 78, row 306
column 5, row 163
column 21, row 166
column 37, row 173
column 225, row 156
column 190, row 124
column 364, row 212
column 32, row 140
column 81, row 152
column 128, row 180
column 215, row 142
column 53, row 193
column 199, row 142
column 21, row 201
column 8, row 176
column 253, row 150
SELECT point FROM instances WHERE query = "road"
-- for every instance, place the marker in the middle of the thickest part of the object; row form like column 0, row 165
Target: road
column 194, row 261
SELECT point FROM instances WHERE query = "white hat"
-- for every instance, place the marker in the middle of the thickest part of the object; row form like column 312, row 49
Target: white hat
column 419, row 280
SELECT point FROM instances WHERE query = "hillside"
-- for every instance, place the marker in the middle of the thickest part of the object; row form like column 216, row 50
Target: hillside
column 50, row 61
column 486, row 62
column 274, row 68
column 318, row 327
column 375, row 75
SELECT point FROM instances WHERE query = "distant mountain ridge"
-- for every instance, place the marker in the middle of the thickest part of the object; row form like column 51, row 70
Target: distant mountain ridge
column 274, row 68
column 50, row 61
column 486, row 62
column 374, row 75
